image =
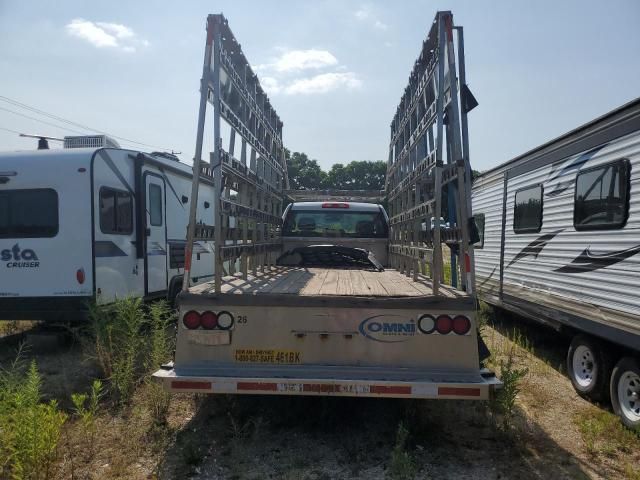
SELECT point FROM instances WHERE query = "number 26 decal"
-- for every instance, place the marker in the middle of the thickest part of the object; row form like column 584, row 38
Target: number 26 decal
column 242, row 319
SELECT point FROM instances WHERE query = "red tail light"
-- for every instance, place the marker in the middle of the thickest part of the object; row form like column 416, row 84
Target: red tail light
column 444, row 324
column 461, row 325
column 80, row 275
column 209, row 320
column 335, row 205
column 191, row 320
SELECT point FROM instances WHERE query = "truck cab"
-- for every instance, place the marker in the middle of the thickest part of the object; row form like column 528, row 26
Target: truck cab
column 349, row 224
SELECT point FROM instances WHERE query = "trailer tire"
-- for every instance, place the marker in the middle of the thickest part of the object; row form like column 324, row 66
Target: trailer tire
column 625, row 391
column 589, row 368
column 174, row 290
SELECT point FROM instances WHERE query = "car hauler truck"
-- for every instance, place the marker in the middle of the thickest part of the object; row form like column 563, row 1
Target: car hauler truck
column 336, row 297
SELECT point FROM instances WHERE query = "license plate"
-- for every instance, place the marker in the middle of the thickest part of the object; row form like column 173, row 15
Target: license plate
column 252, row 355
column 209, row 338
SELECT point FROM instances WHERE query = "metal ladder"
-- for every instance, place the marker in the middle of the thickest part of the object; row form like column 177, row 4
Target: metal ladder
column 429, row 150
column 248, row 191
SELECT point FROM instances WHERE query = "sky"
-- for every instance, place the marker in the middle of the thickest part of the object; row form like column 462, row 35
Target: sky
column 334, row 70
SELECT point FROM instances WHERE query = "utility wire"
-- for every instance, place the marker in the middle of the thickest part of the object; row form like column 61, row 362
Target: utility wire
column 9, row 130
column 64, row 120
column 42, row 121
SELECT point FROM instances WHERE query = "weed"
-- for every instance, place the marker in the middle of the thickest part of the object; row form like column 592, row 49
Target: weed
column 485, row 315
column 241, row 431
column 160, row 318
column 9, row 327
column 631, row 472
column 157, row 398
column 29, row 430
column 117, row 332
column 503, row 403
column 403, row 466
column 87, row 414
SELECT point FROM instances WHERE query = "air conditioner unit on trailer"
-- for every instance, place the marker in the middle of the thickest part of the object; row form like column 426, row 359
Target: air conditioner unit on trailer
column 90, row 141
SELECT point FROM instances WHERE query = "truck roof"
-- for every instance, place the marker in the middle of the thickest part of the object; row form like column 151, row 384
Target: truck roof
column 358, row 206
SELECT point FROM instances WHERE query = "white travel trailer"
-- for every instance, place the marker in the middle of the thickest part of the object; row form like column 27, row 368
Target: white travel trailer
column 560, row 244
column 93, row 221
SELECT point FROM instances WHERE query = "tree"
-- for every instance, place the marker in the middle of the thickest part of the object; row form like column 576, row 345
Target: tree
column 357, row 175
column 304, row 173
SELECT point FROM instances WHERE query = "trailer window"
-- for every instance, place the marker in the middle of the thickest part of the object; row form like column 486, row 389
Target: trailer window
column 155, row 205
column 29, row 213
column 116, row 211
column 602, row 197
column 527, row 211
column 334, row 223
column 479, row 219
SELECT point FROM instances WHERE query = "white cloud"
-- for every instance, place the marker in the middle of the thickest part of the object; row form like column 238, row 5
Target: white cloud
column 366, row 15
column 284, row 73
column 103, row 34
column 323, row 83
column 271, row 85
column 119, row 31
column 380, row 25
column 296, row 60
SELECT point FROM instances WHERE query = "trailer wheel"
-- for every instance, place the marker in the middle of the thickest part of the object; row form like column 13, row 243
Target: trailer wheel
column 589, row 368
column 173, row 293
column 625, row 391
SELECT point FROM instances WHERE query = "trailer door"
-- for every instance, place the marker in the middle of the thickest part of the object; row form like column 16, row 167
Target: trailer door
column 156, row 235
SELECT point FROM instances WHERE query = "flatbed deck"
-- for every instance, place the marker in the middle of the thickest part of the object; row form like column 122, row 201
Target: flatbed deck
column 302, row 281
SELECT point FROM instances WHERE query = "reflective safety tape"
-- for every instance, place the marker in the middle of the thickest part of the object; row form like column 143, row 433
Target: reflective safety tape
column 325, row 388
column 459, row 391
column 426, row 390
column 257, row 386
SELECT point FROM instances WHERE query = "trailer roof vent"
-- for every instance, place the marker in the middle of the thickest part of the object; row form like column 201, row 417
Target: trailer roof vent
column 90, row 141
column 167, row 155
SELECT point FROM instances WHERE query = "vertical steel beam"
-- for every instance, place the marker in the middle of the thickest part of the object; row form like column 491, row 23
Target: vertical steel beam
column 439, row 78
column 193, row 207
column 465, row 152
column 216, row 160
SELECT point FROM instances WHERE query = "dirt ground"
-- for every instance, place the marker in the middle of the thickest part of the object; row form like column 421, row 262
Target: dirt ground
column 554, row 434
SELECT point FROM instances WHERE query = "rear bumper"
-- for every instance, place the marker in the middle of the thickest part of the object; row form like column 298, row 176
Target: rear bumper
column 333, row 381
column 44, row 308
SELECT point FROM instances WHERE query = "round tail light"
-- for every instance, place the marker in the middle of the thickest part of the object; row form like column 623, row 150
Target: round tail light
column 208, row 320
column 444, row 324
column 426, row 324
column 225, row 320
column 461, row 325
column 191, row 320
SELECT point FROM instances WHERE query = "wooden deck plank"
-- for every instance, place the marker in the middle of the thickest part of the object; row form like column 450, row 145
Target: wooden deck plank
column 330, row 284
column 294, row 283
column 345, row 287
column 325, row 281
column 397, row 285
column 372, row 284
column 314, row 285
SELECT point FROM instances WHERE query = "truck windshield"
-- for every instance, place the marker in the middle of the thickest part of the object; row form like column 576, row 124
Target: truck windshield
column 317, row 223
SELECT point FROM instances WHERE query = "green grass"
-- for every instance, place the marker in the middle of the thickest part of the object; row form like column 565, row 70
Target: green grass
column 604, row 434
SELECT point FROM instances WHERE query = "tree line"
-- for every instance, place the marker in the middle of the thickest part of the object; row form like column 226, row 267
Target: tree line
column 306, row 174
